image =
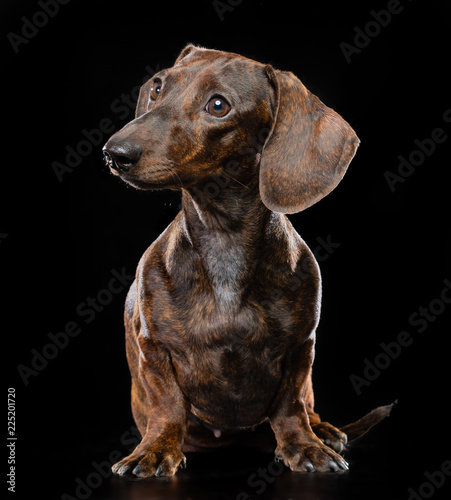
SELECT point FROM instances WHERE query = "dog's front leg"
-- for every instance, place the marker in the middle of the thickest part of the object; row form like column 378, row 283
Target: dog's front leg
column 157, row 397
column 297, row 445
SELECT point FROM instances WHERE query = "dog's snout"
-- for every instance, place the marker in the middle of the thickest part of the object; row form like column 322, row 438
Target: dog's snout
column 121, row 156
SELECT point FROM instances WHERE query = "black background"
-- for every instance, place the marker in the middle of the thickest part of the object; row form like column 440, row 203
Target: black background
column 64, row 238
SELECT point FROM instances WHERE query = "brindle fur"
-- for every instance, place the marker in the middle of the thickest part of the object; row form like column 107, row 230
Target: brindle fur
column 220, row 321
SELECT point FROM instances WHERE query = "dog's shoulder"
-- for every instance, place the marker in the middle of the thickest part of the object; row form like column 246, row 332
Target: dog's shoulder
column 285, row 242
column 170, row 251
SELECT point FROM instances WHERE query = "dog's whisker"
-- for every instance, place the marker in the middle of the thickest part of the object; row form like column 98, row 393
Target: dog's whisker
column 236, row 180
column 175, row 174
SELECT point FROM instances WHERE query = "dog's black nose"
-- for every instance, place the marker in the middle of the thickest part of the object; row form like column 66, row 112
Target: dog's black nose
column 121, row 156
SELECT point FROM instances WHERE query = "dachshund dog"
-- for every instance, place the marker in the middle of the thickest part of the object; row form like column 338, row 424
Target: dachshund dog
column 220, row 321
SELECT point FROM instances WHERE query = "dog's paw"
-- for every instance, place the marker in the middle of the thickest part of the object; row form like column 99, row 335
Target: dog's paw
column 311, row 457
column 330, row 436
column 147, row 463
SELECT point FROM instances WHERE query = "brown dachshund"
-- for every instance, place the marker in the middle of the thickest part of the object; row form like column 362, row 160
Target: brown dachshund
column 221, row 318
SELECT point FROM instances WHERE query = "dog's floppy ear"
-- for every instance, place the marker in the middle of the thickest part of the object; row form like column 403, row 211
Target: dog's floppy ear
column 189, row 48
column 308, row 148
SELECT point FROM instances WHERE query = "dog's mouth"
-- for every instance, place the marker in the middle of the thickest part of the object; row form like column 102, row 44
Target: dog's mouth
column 160, row 178
column 145, row 184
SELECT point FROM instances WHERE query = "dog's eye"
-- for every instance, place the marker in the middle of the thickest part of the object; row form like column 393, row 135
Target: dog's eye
column 218, row 106
column 155, row 90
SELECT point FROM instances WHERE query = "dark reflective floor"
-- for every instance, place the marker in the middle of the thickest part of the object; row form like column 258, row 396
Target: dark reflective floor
column 248, row 477
column 375, row 473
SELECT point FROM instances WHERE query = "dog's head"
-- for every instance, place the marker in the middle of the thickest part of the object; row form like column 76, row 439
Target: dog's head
column 215, row 113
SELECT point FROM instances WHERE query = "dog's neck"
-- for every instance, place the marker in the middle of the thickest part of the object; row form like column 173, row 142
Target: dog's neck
column 226, row 227
column 235, row 213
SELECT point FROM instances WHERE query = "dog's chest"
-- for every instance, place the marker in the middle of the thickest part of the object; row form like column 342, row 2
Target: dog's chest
column 227, row 322
column 228, row 356
column 229, row 370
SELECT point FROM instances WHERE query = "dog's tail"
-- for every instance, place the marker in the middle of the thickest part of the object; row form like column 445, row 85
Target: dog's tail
column 363, row 425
